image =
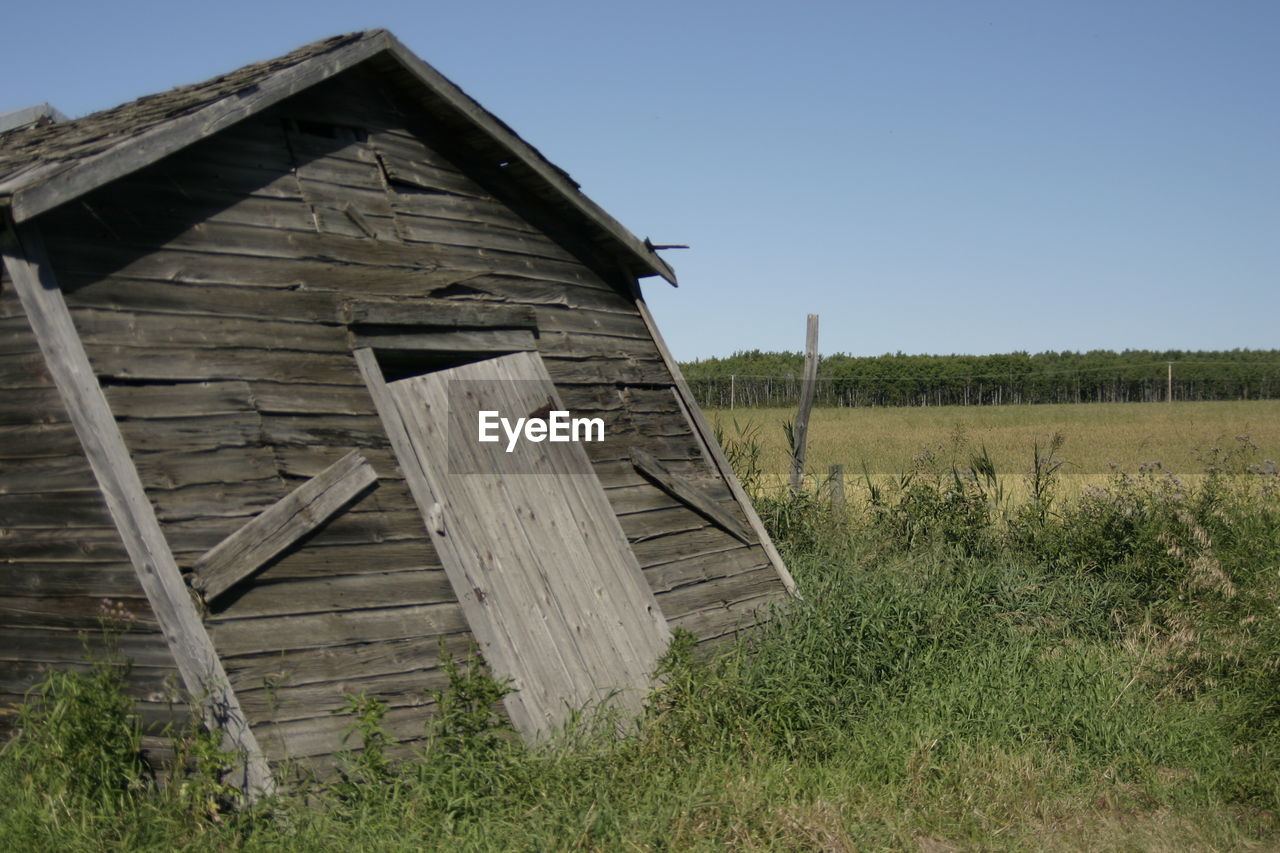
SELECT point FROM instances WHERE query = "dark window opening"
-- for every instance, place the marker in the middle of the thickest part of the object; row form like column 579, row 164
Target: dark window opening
column 326, row 130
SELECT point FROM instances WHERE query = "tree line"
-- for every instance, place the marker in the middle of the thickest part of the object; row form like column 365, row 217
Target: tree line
column 754, row 378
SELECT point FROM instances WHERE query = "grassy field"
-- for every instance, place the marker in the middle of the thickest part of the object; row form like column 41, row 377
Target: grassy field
column 1181, row 436
column 1090, row 673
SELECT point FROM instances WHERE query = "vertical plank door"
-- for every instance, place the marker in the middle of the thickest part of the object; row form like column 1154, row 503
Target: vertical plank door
column 545, row 575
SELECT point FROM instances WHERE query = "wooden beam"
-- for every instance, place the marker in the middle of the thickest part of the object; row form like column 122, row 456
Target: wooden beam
column 689, row 405
column 193, row 651
column 282, row 524
column 468, row 340
column 687, row 493
column 436, row 314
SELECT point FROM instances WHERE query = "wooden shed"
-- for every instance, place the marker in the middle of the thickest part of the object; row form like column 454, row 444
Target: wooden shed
column 234, row 321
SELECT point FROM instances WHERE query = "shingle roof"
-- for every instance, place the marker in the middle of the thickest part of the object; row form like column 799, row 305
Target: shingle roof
column 26, row 149
column 42, row 167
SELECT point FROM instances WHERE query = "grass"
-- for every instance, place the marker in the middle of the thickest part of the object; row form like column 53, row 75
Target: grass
column 964, row 672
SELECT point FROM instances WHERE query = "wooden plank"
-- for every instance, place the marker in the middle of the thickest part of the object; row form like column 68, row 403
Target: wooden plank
column 299, row 740
column 431, row 230
column 306, row 461
column 363, row 431
column 436, row 314
column 325, row 561
column 273, row 634
column 211, row 500
column 300, row 398
column 191, row 292
column 659, row 523
column 486, row 341
column 145, row 328
column 285, row 522
column 180, row 363
column 283, row 703
column 584, row 345
column 28, row 452
column 51, row 579
column 81, row 612
column 20, row 406
column 334, row 663
column 531, row 287
column 61, row 646
column 337, row 593
column 415, row 174
column 52, row 544
column 202, row 672
column 191, row 539
column 594, row 322
column 64, row 509
column 601, row 370
column 153, row 202
column 722, row 620
column 23, row 370
column 704, row 567
column 687, row 493
column 370, row 202
column 685, row 543
column 638, row 498
column 19, row 676
column 723, row 591
column 181, row 400
column 453, row 206
column 207, row 433
column 214, row 241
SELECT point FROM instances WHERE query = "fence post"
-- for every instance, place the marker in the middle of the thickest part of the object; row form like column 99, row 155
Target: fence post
column 807, row 389
column 836, row 479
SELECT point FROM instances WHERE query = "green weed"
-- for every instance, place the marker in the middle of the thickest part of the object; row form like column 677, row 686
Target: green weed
column 964, row 671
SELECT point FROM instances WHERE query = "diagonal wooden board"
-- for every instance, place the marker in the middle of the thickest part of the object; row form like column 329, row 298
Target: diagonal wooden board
column 689, row 494
column 283, row 523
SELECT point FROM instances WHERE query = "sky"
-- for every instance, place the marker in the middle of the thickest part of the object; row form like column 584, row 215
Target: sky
column 928, row 177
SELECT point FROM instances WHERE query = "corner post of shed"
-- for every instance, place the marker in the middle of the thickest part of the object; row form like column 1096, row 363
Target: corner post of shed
column 135, row 519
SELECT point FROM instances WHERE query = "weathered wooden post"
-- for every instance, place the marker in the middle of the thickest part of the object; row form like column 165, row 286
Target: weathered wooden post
column 836, row 478
column 807, row 391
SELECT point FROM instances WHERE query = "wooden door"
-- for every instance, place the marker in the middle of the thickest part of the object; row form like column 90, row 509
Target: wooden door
column 550, row 586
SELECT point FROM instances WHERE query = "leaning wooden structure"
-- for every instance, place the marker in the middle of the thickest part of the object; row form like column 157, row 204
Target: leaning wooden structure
column 231, row 318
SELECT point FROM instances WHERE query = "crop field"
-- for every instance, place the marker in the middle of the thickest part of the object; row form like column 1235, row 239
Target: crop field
column 1099, row 439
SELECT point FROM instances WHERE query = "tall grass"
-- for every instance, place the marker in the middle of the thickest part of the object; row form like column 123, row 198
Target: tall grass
column 965, row 670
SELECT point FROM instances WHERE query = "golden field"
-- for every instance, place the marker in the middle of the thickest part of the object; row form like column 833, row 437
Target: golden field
column 1099, row 437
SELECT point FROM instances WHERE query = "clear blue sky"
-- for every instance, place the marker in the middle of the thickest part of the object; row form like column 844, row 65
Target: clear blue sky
column 929, row 177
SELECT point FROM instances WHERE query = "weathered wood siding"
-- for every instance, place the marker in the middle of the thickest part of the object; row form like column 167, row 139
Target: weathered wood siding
column 64, row 573
column 208, row 291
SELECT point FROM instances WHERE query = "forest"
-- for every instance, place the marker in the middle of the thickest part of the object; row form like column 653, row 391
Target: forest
column 754, row 378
